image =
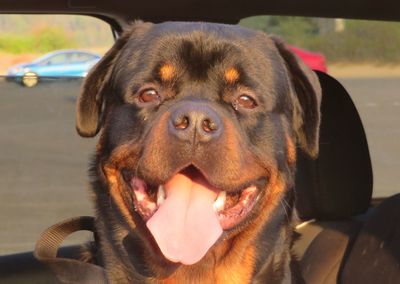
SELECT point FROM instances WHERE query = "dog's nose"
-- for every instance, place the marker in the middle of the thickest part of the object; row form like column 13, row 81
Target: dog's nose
column 195, row 123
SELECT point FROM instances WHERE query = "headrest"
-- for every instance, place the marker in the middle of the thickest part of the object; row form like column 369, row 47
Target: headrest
column 338, row 184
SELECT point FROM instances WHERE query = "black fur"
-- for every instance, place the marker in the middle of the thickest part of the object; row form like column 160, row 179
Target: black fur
column 134, row 141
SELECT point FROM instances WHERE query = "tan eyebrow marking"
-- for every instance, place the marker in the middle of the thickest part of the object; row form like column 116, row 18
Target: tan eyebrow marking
column 231, row 75
column 167, row 72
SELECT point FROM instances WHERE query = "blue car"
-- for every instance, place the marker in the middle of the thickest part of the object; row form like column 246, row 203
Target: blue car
column 65, row 63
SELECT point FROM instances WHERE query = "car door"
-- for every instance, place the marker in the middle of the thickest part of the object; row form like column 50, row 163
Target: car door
column 79, row 63
column 56, row 65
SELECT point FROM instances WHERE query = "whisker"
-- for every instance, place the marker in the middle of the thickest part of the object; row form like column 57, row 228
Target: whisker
column 284, row 208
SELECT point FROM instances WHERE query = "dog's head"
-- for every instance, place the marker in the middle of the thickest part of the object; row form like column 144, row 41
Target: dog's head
column 199, row 127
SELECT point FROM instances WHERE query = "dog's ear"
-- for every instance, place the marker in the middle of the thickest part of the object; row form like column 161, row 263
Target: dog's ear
column 90, row 104
column 91, row 98
column 307, row 100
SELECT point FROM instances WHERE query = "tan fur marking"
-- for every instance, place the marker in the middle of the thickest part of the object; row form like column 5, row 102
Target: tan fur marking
column 240, row 270
column 167, row 72
column 112, row 177
column 231, row 75
column 291, row 151
column 237, row 270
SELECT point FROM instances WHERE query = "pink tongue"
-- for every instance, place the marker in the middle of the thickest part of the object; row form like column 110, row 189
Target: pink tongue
column 185, row 226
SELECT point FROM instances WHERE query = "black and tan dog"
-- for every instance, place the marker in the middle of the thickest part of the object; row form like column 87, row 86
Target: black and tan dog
column 194, row 169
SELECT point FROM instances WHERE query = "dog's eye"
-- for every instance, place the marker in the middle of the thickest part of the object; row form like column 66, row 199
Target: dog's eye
column 245, row 101
column 148, row 96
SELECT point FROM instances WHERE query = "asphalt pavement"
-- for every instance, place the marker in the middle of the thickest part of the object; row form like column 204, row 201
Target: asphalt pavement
column 43, row 168
column 43, row 162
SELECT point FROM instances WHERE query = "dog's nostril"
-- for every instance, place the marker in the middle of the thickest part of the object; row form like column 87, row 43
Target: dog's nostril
column 209, row 125
column 181, row 122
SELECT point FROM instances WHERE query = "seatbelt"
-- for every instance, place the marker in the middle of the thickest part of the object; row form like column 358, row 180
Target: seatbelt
column 68, row 270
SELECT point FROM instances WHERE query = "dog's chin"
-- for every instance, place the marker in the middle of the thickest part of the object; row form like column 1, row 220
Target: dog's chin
column 187, row 211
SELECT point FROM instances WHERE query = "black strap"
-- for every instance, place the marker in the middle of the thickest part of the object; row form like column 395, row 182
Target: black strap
column 68, row 270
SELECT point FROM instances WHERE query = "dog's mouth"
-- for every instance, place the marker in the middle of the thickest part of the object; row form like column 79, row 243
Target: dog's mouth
column 230, row 207
column 187, row 214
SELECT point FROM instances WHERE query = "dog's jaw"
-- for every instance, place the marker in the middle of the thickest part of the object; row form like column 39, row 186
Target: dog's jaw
column 237, row 248
column 188, row 207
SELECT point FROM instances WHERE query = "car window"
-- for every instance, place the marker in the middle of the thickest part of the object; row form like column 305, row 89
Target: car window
column 44, row 163
column 81, row 57
column 363, row 56
column 56, row 59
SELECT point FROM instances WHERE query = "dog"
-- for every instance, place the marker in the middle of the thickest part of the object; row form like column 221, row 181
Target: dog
column 193, row 174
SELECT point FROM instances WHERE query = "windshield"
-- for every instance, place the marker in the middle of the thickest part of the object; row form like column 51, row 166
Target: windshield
column 44, row 163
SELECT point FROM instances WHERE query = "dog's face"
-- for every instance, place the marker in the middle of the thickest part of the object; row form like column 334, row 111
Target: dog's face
column 199, row 130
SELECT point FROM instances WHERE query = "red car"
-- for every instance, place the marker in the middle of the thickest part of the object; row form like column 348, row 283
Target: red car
column 314, row 60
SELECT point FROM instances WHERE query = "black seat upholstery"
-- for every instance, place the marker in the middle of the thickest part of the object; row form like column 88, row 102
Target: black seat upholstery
column 333, row 188
column 339, row 245
column 323, row 259
column 375, row 255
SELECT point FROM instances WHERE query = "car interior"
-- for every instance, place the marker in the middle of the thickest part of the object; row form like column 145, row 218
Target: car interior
column 345, row 235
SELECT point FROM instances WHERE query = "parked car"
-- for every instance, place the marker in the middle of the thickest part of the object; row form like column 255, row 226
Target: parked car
column 72, row 63
column 314, row 60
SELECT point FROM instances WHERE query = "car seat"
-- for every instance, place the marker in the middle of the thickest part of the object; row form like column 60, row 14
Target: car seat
column 333, row 200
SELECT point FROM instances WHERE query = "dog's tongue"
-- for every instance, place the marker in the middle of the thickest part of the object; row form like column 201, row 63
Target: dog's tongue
column 186, row 226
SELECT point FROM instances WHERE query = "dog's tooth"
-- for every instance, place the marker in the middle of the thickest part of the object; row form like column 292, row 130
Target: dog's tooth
column 140, row 195
column 219, row 203
column 160, row 195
